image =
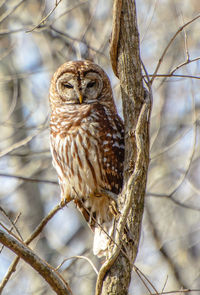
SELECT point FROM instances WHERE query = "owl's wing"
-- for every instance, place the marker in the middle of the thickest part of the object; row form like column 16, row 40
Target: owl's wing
column 113, row 154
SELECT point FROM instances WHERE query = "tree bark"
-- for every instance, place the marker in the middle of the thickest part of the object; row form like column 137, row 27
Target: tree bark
column 115, row 275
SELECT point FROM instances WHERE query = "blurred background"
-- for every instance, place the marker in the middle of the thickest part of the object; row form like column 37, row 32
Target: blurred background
column 36, row 37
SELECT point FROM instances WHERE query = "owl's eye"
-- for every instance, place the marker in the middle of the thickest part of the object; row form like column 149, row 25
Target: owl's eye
column 91, row 84
column 68, row 85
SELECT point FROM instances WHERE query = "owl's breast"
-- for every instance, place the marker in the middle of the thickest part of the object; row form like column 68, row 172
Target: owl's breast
column 68, row 120
column 87, row 153
column 77, row 155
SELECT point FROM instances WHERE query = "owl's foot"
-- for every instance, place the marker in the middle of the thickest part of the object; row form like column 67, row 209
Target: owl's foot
column 113, row 201
column 113, row 209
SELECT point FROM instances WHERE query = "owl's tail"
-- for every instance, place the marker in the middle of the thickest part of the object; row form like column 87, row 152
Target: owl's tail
column 104, row 227
column 96, row 211
column 103, row 239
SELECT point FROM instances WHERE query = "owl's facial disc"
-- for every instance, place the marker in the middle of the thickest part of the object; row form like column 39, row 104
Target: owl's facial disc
column 75, row 89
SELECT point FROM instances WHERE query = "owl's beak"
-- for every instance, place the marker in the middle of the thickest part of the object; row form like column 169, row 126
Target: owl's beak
column 81, row 98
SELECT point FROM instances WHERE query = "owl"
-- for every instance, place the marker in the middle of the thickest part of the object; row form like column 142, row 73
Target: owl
column 87, row 144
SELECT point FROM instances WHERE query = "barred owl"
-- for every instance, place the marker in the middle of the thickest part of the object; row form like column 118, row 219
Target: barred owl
column 87, row 144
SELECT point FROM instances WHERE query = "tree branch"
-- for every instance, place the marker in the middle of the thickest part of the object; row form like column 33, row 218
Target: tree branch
column 29, row 179
column 169, row 44
column 36, row 232
column 53, row 278
column 114, row 276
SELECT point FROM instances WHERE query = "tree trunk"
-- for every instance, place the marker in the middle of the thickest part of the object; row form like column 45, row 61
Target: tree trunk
column 114, row 276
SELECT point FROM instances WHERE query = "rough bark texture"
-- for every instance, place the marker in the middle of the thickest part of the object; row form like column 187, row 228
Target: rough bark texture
column 125, row 58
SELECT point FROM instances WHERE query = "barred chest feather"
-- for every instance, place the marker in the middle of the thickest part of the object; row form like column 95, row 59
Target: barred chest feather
column 87, row 147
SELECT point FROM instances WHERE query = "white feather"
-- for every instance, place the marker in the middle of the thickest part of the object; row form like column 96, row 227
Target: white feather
column 102, row 239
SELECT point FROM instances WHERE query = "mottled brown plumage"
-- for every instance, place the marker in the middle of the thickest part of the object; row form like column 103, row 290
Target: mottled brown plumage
column 87, row 143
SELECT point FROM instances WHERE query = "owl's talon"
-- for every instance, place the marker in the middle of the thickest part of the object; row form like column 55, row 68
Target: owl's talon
column 113, row 201
column 113, row 209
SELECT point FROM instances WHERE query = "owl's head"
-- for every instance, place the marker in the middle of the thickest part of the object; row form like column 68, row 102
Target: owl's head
column 80, row 82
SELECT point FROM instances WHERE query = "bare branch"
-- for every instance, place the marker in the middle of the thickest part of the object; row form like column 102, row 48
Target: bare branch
column 75, row 39
column 12, row 222
column 188, row 61
column 169, row 44
column 145, row 280
column 18, row 144
column 28, row 178
column 46, row 17
column 178, row 291
column 9, row 12
column 79, row 257
column 163, row 249
column 8, row 32
column 175, row 76
column 170, row 197
column 36, row 232
column 53, row 278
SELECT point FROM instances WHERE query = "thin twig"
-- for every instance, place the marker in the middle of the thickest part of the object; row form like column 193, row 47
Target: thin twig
column 14, row 226
column 18, row 144
column 185, row 40
column 68, row 10
column 194, row 119
column 12, row 222
column 8, row 32
column 75, row 39
column 79, row 257
column 9, row 231
column 167, row 148
column 165, row 284
column 177, row 291
column 188, row 61
column 9, row 12
column 41, row 25
column 29, row 179
column 13, row 102
column 169, row 44
column 172, row 76
column 163, row 249
column 45, row 18
column 170, row 197
column 143, row 278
